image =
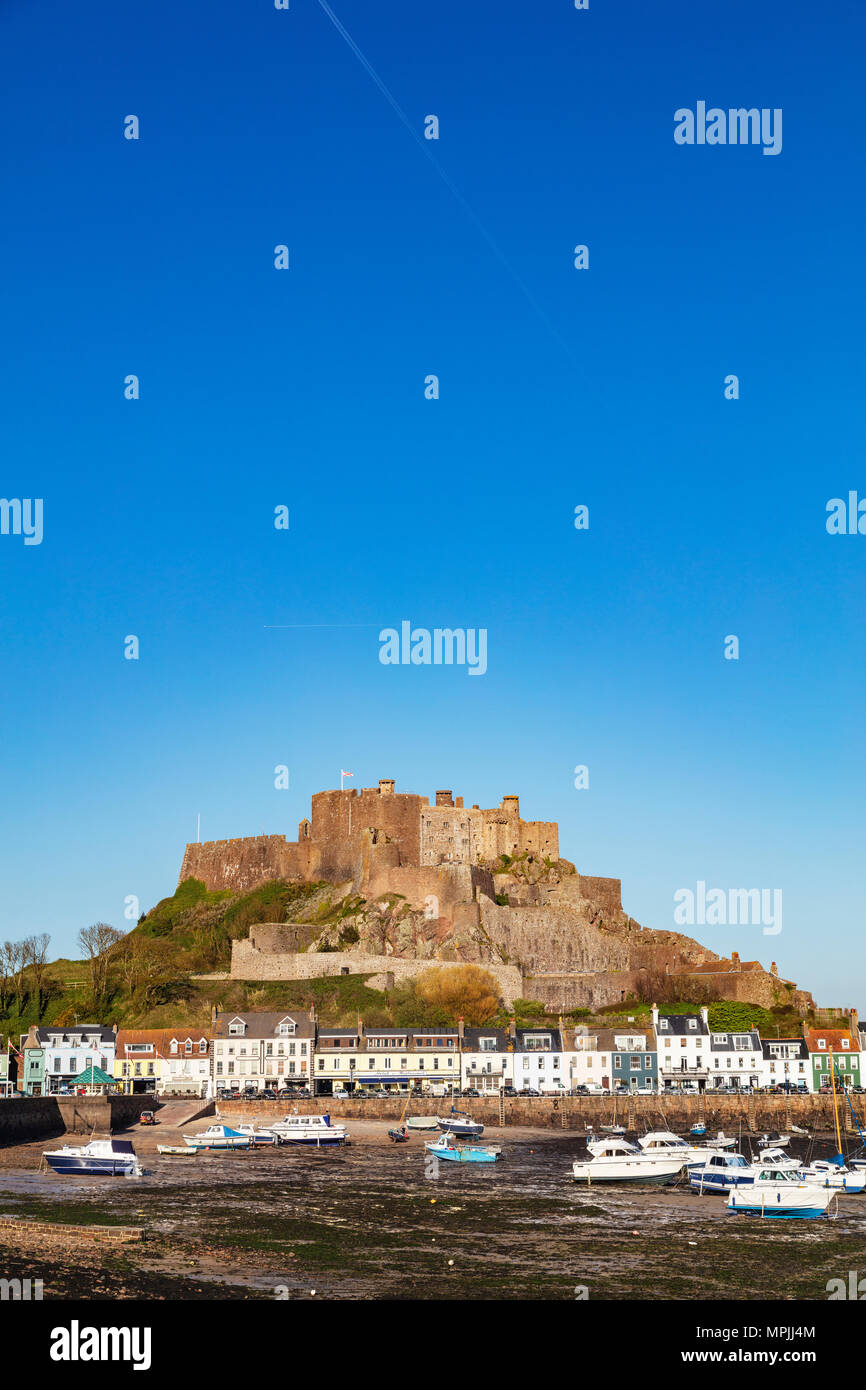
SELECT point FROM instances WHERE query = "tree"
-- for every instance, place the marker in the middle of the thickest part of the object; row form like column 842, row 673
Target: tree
column 35, row 956
column 96, row 942
column 463, row 991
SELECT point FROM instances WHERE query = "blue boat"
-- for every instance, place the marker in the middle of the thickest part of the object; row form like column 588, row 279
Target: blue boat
column 698, row 1129
column 722, row 1172
column 444, row 1147
column 108, row 1158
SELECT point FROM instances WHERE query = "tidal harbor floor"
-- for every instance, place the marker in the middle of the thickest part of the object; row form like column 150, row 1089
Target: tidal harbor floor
column 377, row 1221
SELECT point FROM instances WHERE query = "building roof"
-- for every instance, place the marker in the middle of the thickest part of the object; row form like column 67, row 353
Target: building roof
column 678, row 1025
column 265, row 1024
column 524, row 1034
column 723, row 1041
column 839, row 1039
column 94, row 1076
column 81, row 1031
column 473, row 1036
column 161, row 1040
column 801, row 1052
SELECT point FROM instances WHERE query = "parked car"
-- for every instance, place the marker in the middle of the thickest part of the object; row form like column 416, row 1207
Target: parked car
column 267, row 1094
column 147, row 1117
column 529, row 1091
column 470, row 1091
column 509, row 1091
column 580, row 1090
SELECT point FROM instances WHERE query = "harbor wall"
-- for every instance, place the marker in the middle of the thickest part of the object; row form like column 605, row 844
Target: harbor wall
column 637, row 1113
column 40, row 1117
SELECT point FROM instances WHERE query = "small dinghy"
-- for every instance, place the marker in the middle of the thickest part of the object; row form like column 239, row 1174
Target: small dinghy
column 444, row 1147
column 773, row 1140
column 175, row 1151
column 698, row 1130
column 421, row 1122
column 617, row 1130
column 399, row 1136
column 107, row 1158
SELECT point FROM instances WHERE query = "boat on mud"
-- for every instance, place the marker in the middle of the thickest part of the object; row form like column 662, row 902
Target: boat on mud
column 445, row 1147
column 662, row 1141
column 259, row 1138
column 108, row 1158
column 721, row 1172
column 780, row 1193
column 218, row 1137
column 316, row 1130
column 460, row 1122
column 175, row 1151
column 616, row 1160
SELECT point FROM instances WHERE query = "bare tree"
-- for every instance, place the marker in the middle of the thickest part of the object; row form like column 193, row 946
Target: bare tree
column 97, row 941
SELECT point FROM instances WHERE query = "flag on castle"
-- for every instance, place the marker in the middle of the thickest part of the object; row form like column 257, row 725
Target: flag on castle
column 344, row 774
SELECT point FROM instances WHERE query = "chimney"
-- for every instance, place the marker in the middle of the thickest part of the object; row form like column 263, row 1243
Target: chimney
column 655, row 1014
column 735, row 960
column 460, row 1029
column 774, row 969
column 213, row 1015
column 705, row 1015
column 854, row 1025
column 444, row 798
column 386, row 786
column 460, row 803
column 512, row 1029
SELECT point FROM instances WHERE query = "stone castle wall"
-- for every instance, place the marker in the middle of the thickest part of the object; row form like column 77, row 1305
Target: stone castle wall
column 251, row 963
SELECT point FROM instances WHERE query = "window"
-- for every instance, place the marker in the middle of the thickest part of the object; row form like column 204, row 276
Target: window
column 237, row 1027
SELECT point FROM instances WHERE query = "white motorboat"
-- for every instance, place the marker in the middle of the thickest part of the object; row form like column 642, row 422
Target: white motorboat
column 108, row 1158
column 721, row 1172
column 316, row 1130
column 218, row 1137
column 834, row 1175
column 258, row 1137
column 777, row 1192
column 459, row 1122
column 660, row 1141
column 779, row 1159
column 721, row 1141
column 615, row 1160
column 774, row 1140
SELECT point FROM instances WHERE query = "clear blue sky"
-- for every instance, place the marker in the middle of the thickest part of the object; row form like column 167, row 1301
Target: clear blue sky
column 558, row 387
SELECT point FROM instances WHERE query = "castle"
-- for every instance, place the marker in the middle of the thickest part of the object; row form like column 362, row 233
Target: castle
column 424, row 885
column 330, row 845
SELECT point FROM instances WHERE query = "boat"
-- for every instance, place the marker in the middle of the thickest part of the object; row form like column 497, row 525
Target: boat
column 175, row 1150
column 111, row 1158
column 421, row 1122
column 258, row 1137
column 309, row 1129
column 720, row 1142
column 777, row 1192
column 218, row 1137
column 445, row 1147
column 825, row 1173
column 660, row 1141
column 721, row 1172
column 795, row 1129
column 399, row 1136
column 618, row 1130
column 460, row 1122
column 774, row 1140
column 779, row 1159
column 698, row 1129
column 615, row 1160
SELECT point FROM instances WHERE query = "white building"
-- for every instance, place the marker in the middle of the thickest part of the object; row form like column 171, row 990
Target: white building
column 263, row 1050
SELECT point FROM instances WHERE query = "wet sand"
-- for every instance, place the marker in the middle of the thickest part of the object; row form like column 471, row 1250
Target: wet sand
column 376, row 1220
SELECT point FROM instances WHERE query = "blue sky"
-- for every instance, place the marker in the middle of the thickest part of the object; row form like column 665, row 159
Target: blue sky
column 557, row 387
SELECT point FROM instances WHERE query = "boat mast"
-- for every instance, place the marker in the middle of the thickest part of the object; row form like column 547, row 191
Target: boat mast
column 835, row 1105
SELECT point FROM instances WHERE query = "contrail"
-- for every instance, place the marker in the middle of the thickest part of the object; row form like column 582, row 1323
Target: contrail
column 449, row 183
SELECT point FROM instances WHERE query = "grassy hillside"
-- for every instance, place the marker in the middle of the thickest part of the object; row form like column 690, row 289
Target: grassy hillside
column 152, row 976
